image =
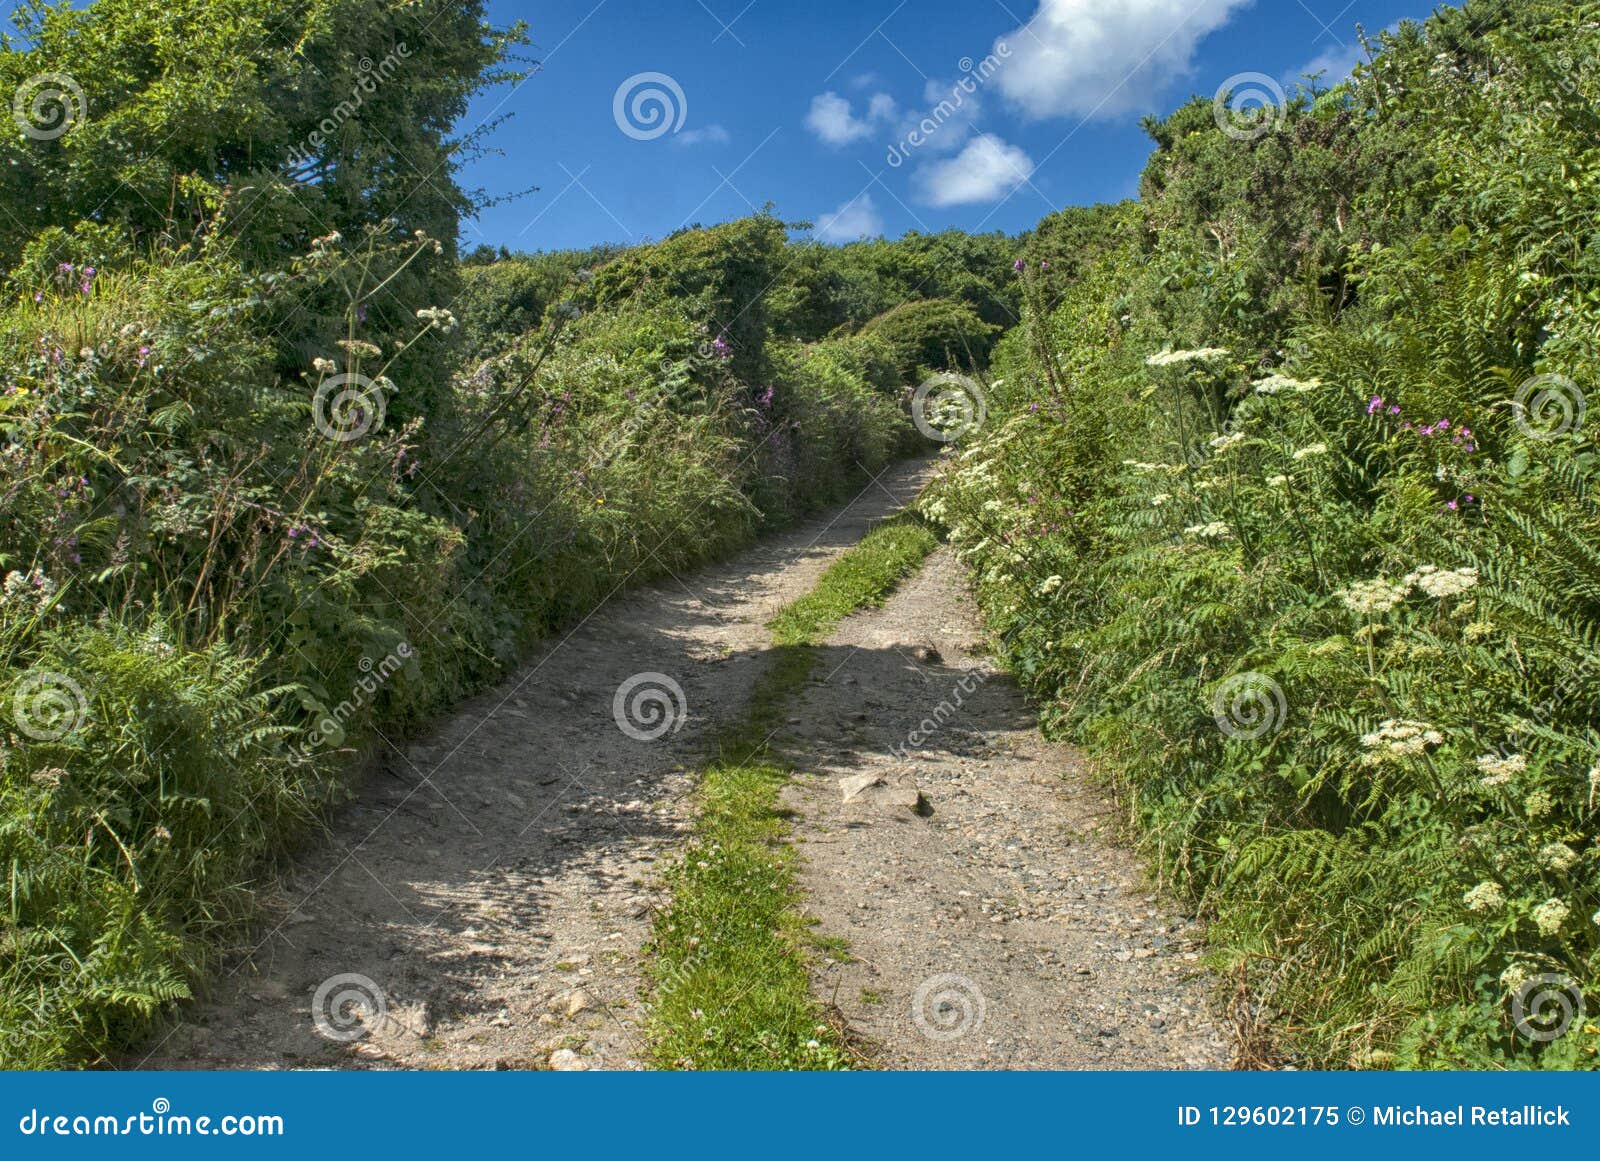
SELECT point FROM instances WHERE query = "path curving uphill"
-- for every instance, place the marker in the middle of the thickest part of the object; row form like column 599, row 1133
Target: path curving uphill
column 486, row 901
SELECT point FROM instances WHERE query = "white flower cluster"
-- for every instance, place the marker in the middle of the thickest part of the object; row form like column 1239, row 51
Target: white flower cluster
column 1400, row 739
column 1515, row 976
column 1550, row 915
column 1485, row 897
column 32, row 589
column 438, row 318
column 1499, row 771
column 1216, row 530
column 1374, row 597
column 1442, row 583
column 1558, row 856
column 324, row 366
column 1273, row 384
column 1316, row 449
column 1170, row 358
column 1050, row 585
column 1223, row 442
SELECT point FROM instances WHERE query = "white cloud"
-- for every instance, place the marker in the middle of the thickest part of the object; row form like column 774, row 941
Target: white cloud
column 986, row 170
column 832, row 119
column 1086, row 58
column 857, row 218
column 710, row 135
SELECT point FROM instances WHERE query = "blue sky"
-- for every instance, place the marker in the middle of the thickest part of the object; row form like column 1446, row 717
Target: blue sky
column 648, row 116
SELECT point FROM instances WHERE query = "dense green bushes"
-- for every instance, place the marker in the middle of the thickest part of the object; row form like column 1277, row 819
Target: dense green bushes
column 1320, row 588
column 263, row 502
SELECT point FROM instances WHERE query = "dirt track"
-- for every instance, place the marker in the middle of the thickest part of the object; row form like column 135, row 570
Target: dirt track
column 486, row 900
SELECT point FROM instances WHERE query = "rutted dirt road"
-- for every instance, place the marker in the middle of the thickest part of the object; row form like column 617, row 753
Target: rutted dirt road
column 995, row 925
column 485, row 901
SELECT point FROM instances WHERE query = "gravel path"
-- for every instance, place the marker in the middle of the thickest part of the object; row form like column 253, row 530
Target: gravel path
column 992, row 924
column 484, row 902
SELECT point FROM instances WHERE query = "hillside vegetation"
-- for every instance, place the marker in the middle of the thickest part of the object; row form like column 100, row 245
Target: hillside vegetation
column 1289, row 507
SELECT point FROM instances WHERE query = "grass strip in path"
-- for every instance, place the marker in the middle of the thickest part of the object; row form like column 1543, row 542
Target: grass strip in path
column 732, row 988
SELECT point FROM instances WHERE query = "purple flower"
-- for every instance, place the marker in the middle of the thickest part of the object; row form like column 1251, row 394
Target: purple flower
column 1019, row 266
column 1375, row 405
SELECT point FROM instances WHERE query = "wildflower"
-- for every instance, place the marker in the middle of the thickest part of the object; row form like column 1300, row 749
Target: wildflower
column 438, row 318
column 1441, row 584
column 1050, row 585
column 1550, row 915
column 162, row 834
column 1223, row 442
column 48, row 779
column 1375, row 405
column 1484, row 898
column 1170, row 358
column 1399, row 739
column 1557, row 856
column 1216, row 530
column 1274, row 384
column 1277, row 481
column 361, row 350
column 1538, row 804
column 1594, row 785
column 32, row 588
column 1316, row 449
column 1159, row 499
column 1515, row 976
column 1499, row 771
column 1019, row 265
column 1374, row 597
column 324, row 366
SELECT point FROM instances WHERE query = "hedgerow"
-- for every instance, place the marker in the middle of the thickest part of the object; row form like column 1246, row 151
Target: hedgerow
column 1288, row 508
